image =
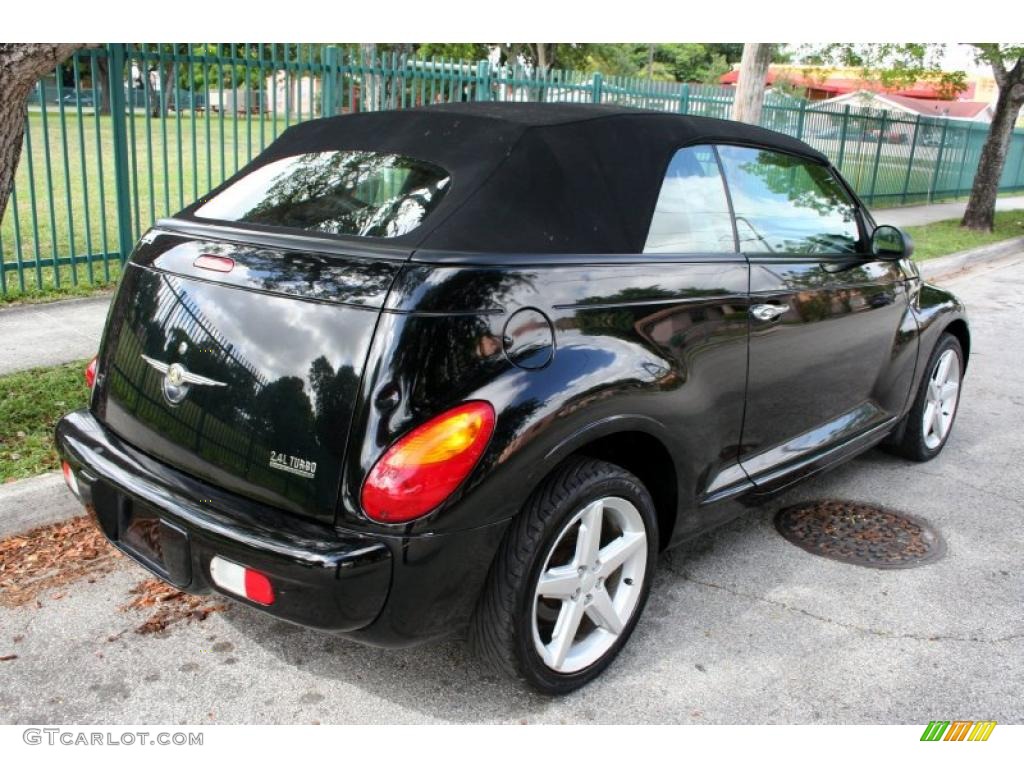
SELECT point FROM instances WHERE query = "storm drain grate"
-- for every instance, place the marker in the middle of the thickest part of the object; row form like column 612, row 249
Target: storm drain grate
column 860, row 534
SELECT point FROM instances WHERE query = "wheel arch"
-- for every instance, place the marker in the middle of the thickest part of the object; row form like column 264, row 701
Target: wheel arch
column 958, row 329
column 638, row 450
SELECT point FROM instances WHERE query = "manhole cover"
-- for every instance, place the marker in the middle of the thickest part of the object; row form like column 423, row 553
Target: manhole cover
column 860, row 534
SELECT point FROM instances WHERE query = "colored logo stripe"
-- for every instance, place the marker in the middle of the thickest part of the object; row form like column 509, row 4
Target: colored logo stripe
column 958, row 730
column 982, row 730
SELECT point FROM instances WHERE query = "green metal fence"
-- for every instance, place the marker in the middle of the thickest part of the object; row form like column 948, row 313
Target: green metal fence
column 124, row 134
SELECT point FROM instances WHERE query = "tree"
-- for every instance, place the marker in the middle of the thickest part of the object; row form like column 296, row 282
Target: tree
column 368, row 94
column 544, row 57
column 1007, row 62
column 750, row 86
column 459, row 51
column 903, row 63
column 21, row 64
column 892, row 65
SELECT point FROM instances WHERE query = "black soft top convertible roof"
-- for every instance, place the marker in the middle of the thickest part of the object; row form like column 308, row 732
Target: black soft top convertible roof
column 529, row 177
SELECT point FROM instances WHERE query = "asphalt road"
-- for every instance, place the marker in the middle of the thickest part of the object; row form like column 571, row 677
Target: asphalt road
column 742, row 627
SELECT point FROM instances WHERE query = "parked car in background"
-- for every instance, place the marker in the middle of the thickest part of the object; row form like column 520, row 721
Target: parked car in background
column 890, row 135
column 79, row 98
column 187, row 101
column 470, row 368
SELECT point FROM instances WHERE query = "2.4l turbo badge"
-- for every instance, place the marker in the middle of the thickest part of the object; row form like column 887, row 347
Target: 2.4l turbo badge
column 293, row 464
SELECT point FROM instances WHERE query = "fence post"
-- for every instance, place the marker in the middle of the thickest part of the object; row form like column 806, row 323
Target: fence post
column 910, row 158
column 598, row 87
column 800, row 119
column 842, row 136
column 118, row 121
column 684, row 100
column 1019, row 178
column 483, row 80
column 329, row 100
column 963, row 159
column 878, row 154
column 938, row 160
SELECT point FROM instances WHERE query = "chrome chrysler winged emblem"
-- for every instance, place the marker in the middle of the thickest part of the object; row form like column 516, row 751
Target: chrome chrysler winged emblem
column 178, row 379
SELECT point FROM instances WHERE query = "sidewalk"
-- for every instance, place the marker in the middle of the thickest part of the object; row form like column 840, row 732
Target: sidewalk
column 915, row 215
column 35, row 335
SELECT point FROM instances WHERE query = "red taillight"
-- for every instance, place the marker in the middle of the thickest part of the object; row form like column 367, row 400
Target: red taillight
column 422, row 469
column 214, row 263
column 90, row 373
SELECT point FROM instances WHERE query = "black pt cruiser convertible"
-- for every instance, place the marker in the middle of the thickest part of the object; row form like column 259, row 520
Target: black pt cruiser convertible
column 469, row 368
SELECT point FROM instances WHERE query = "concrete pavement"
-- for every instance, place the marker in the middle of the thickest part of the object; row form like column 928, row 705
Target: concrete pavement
column 34, row 335
column 742, row 627
column 915, row 215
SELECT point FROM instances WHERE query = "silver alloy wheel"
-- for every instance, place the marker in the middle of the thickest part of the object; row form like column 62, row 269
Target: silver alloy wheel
column 587, row 591
column 942, row 397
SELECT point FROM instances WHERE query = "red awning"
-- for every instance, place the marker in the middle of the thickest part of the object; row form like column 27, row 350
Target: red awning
column 837, row 86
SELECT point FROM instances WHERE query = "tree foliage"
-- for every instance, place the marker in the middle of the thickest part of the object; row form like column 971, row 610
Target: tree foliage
column 893, row 65
column 679, row 62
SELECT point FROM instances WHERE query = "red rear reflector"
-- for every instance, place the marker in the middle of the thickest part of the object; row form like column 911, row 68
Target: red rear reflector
column 242, row 581
column 258, row 587
column 214, row 263
column 425, row 467
column 69, row 477
column 90, row 373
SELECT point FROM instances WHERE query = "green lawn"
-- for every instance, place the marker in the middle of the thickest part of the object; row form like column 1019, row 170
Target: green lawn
column 945, row 237
column 31, row 402
column 172, row 161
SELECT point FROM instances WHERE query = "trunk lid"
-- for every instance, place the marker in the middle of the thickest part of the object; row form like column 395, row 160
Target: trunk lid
column 246, row 378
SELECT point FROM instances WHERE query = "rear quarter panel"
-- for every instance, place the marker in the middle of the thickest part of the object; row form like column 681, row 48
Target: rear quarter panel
column 657, row 347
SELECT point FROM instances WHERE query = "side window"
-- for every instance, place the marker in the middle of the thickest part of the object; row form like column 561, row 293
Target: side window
column 692, row 214
column 786, row 204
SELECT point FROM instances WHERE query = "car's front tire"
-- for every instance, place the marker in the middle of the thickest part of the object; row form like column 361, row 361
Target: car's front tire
column 928, row 425
column 570, row 579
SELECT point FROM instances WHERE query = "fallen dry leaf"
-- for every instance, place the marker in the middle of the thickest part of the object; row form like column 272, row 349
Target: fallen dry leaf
column 169, row 606
column 52, row 556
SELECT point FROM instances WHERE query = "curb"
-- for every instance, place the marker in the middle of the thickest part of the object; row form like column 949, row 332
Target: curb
column 948, row 266
column 40, row 500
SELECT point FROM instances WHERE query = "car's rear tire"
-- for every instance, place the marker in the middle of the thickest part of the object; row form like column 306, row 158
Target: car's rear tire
column 927, row 427
column 590, row 531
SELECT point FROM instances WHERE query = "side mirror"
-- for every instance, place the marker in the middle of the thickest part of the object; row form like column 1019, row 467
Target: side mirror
column 889, row 242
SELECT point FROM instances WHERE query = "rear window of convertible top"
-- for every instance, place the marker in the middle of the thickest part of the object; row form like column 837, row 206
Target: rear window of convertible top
column 340, row 193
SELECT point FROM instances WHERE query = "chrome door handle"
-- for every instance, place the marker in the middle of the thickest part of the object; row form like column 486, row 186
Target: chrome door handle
column 767, row 312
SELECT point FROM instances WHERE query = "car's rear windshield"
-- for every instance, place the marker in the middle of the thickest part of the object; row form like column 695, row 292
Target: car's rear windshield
column 368, row 194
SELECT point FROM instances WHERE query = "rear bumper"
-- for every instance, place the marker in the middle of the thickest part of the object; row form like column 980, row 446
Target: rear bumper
column 322, row 578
